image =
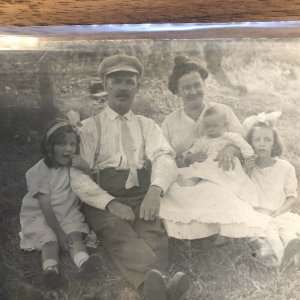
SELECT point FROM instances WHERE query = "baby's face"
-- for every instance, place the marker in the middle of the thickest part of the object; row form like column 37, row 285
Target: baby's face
column 214, row 125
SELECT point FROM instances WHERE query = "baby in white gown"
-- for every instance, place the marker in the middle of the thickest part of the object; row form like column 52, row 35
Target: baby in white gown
column 200, row 158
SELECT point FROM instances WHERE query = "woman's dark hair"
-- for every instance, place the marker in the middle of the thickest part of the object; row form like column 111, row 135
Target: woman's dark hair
column 57, row 137
column 184, row 66
column 277, row 148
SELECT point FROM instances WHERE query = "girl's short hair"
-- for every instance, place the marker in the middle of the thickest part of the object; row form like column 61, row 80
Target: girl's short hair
column 277, row 148
column 182, row 67
column 56, row 137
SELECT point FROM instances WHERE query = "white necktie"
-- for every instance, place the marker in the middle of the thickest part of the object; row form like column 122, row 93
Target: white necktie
column 127, row 144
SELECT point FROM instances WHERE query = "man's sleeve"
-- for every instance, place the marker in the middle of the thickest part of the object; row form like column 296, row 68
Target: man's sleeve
column 82, row 185
column 88, row 191
column 161, row 154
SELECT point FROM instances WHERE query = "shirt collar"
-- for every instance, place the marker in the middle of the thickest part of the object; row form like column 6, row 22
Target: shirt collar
column 112, row 115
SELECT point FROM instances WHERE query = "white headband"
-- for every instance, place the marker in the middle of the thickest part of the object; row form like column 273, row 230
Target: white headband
column 73, row 121
column 55, row 127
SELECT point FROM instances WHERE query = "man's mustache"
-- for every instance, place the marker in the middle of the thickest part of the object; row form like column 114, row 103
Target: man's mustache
column 123, row 94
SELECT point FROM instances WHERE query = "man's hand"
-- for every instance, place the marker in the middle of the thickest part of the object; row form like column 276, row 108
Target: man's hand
column 225, row 158
column 79, row 163
column 149, row 209
column 121, row 210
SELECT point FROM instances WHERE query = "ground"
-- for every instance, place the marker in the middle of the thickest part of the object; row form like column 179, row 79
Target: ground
column 232, row 271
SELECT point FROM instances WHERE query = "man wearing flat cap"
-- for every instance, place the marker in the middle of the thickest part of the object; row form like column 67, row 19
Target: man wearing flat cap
column 122, row 201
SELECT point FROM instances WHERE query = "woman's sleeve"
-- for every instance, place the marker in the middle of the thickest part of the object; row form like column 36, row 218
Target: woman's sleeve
column 37, row 180
column 234, row 123
column 166, row 130
column 161, row 155
column 239, row 141
column 290, row 186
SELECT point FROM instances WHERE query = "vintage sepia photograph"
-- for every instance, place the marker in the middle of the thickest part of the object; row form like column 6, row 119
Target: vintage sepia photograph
column 149, row 168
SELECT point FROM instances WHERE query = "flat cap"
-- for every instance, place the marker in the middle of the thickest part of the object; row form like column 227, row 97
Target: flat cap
column 120, row 62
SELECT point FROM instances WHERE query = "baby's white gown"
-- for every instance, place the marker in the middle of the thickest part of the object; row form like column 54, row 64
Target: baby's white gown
column 220, row 203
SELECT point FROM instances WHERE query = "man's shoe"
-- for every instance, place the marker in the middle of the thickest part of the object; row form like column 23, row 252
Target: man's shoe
column 154, row 286
column 90, row 267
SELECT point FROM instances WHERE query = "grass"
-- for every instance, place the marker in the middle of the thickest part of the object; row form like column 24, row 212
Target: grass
column 230, row 272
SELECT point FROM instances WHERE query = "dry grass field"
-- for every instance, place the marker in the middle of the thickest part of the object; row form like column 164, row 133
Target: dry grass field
column 270, row 73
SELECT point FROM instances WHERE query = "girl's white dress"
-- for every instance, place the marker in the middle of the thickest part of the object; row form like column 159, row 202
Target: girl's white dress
column 274, row 185
column 35, row 231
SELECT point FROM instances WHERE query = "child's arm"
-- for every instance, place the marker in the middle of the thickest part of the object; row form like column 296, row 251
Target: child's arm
column 197, row 153
column 290, row 189
column 189, row 158
column 51, row 219
column 288, row 205
column 79, row 163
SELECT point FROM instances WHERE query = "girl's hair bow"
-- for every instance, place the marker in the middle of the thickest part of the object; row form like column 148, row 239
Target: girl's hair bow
column 74, row 120
column 269, row 119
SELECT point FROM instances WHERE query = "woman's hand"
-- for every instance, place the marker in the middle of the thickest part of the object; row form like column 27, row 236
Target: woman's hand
column 64, row 240
column 79, row 163
column 149, row 209
column 249, row 164
column 226, row 156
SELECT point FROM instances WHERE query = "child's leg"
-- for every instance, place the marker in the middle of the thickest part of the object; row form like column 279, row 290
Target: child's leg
column 87, row 265
column 50, row 255
column 287, row 236
column 276, row 245
column 291, row 243
column 77, row 249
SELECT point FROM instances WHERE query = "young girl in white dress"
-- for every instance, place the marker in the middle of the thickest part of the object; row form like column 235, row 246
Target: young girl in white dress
column 276, row 183
column 50, row 217
column 205, row 194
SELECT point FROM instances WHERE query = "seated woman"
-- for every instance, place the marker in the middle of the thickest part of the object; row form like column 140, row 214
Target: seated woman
column 198, row 211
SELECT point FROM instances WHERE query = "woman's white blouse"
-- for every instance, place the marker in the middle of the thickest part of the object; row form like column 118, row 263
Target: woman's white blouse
column 182, row 132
